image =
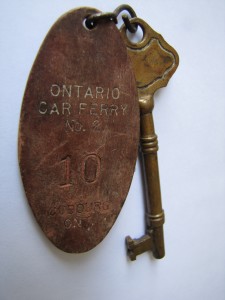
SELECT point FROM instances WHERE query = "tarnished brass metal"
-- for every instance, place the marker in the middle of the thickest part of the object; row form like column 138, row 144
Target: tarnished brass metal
column 154, row 62
column 79, row 131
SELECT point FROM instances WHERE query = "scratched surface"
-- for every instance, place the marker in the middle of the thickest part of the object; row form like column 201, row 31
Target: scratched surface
column 79, row 132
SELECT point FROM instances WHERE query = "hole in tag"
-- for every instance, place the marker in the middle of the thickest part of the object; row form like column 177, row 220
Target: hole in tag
column 88, row 26
column 136, row 37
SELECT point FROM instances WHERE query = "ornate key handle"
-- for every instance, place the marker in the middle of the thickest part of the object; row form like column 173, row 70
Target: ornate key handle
column 154, row 62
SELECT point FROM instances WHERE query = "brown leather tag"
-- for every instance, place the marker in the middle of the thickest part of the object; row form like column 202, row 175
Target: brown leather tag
column 79, row 131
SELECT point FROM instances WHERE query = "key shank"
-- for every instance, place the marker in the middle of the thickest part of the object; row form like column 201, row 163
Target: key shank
column 149, row 148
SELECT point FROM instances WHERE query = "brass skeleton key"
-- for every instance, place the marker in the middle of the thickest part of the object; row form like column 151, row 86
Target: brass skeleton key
column 154, row 62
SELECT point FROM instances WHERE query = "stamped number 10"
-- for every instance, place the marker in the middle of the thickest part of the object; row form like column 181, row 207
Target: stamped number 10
column 90, row 169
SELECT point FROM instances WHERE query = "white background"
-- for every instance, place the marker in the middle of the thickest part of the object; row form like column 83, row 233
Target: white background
column 190, row 122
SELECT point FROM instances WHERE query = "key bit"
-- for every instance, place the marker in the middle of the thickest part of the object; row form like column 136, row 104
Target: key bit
column 154, row 62
column 138, row 246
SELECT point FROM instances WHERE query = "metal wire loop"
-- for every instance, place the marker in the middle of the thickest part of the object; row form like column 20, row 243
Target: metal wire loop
column 131, row 27
column 92, row 20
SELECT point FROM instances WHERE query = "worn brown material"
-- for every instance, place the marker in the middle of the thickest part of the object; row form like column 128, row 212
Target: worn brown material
column 79, row 131
column 154, row 62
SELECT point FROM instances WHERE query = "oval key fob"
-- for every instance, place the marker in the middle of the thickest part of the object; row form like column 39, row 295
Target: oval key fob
column 79, row 131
